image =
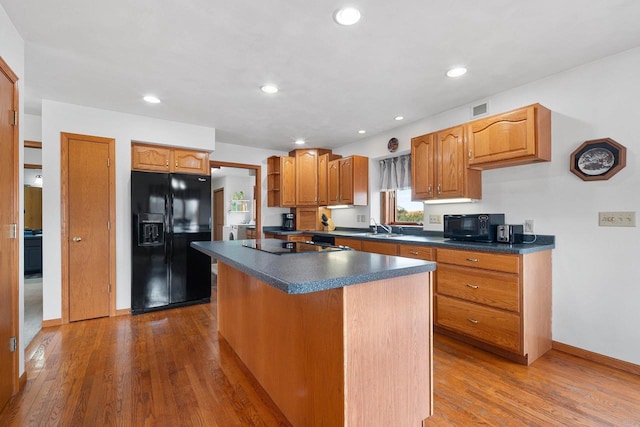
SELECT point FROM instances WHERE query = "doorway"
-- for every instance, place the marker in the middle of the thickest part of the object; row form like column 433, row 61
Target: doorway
column 88, row 227
column 33, row 255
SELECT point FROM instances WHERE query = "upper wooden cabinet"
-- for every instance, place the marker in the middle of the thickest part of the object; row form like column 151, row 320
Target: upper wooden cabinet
column 155, row 158
column 439, row 168
column 281, row 181
column 306, row 177
column 349, row 181
column 514, row 138
column 323, row 177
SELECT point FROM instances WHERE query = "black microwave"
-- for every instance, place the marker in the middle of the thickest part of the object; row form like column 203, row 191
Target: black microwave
column 472, row 227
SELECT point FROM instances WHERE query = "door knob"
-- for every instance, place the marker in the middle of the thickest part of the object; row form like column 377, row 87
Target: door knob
column 77, row 239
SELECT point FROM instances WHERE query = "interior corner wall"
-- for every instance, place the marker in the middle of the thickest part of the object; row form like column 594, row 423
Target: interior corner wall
column 12, row 52
column 595, row 269
column 59, row 117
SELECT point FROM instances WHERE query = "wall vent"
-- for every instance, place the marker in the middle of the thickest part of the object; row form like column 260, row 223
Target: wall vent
column 480, row 110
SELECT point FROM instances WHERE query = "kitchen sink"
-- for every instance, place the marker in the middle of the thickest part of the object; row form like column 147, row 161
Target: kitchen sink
column 384, row 235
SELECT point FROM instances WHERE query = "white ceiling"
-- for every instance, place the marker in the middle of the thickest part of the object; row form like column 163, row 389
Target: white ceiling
column 206, row 59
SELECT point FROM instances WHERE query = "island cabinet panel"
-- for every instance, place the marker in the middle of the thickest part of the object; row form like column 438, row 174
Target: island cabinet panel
column 517, row 137
column 499, row 302
column 353, row 356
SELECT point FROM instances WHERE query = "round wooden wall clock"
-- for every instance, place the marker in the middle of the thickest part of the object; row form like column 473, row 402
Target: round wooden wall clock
column 392, row 145
column 598, row 159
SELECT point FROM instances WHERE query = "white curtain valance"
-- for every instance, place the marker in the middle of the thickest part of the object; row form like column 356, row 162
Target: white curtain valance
column 395, row 173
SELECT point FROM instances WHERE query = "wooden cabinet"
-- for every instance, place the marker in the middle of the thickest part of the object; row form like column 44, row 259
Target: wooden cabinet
column 352, row 243
column 307, row 219
column 288, row 237
column 439, row 169
column 251, row 233
column 349, row 181
column 33, row 208
column 306, row 177
column 499, row 302
column 514, row 138
column 384, row 248
column 323, row 177
column 417, row 251
column 281, row 181
column 155, row 158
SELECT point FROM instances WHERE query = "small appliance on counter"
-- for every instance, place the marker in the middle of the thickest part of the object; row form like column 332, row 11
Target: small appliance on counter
column 472, row 227
column 506, row 233
column 288, row 221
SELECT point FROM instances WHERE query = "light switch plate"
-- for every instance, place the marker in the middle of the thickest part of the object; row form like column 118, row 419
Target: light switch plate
column 435, row 219
column 617, row 219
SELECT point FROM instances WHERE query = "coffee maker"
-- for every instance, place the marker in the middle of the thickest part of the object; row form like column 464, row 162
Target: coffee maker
column 288, row 221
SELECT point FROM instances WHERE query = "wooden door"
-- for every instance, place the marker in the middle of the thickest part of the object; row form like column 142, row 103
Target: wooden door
column 306, row 177
column 346, row 181
column 287, row 181
column 422, row 167
column 33, row 207
column 218, row 213
column 333, row 182
column 8, row 233
column 88, row 225
column 450, row 162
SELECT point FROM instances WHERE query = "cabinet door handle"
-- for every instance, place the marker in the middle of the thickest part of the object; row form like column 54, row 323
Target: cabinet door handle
column 176, row 164
column 474, row 321
column 469, row 285
column 167, row 164
column 414, row 252
column 473, row 259
column 429, row 189
column 470, row 155
column 77, row 239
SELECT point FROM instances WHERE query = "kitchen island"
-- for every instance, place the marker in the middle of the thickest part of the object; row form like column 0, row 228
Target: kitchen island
column 337, row 338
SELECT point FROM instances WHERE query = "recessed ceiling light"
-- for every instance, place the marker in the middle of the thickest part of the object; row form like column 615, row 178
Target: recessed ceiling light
column 151, row 99
column 456, row 72
column 299, row 142
column 269, row 89
column 361, row 131
column 398, row 118
column 347, row 16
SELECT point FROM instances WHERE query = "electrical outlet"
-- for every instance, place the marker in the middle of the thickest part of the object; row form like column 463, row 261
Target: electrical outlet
column 528, row 226
column 435, row 219
column 617, row 219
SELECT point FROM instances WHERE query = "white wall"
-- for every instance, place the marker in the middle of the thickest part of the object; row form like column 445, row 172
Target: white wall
column 59, row 117
column 32, row 127
column 595, row 269
column 12, row 52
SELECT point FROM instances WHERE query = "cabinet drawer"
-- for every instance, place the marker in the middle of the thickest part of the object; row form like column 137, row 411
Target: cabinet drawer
column 488, row 261
column 352, row 243
column 498, row 290
column 419, row 252
column 490, row 325
column 380, row 248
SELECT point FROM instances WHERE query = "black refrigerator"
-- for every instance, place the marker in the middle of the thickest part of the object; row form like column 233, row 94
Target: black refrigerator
column 169, row 211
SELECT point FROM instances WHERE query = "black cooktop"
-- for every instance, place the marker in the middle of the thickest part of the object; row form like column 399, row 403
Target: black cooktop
column 282, row 248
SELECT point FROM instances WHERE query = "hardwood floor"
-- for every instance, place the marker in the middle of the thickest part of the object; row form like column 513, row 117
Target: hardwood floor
column 168, row 369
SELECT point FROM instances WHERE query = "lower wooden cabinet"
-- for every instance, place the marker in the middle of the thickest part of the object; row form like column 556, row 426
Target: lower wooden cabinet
column 380, row 247
column 499, row 302
column 288, row 237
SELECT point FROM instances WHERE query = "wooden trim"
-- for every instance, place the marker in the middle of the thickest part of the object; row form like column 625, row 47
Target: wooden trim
column 123, row 312
column 258, row 186
column 51, row 322
column 32, row 166
column 13, row 206
column 22, row 381
column 32, row 144
column 64, row 200
column 596, row 357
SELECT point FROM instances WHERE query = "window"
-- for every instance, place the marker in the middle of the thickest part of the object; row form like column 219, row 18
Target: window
column 398, row 208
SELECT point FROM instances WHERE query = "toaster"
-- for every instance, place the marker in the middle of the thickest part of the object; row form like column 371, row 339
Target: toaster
column 507, row 233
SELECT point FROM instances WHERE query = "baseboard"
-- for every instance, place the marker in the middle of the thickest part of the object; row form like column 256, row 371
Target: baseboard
column 51, row 322
column 596, row 357
column 123, row 312
column 22, row 381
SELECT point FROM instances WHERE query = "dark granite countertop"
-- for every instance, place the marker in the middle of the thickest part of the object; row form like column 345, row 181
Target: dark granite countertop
column 312, row 272
column 434, row 239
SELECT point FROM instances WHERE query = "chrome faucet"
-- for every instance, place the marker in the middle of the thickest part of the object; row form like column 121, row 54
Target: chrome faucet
column 386, row 228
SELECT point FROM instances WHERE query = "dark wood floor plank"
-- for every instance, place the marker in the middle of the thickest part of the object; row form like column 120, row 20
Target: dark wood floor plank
column 170, row 368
